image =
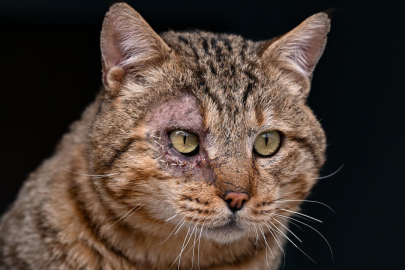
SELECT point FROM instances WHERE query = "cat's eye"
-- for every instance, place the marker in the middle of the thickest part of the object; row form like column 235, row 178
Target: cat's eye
column 267, row 143
column 185, row 142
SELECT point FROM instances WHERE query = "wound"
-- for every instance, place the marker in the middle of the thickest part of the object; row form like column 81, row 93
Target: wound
column 182, row 112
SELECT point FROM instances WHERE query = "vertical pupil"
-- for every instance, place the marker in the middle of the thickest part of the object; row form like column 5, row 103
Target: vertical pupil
column 266, row 139
column 184, row 139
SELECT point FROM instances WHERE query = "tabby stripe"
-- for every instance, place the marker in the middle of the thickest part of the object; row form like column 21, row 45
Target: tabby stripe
column 85, row 217
column 247, row 92
column 243, row 51
column 213, row 42
column 47, row 233
column 252, row 80
column 197, row 57
column 227, row 44
column 214, row 98
column 205, row 46
column 213, row 69
column 184, row 40
column 308, row 146
column 218, row 54
column 123, row 149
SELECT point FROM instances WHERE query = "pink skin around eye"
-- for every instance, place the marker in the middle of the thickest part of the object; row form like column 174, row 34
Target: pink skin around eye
column 180, row 113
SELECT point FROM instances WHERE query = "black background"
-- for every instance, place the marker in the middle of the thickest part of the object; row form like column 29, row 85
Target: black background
column 51, row 69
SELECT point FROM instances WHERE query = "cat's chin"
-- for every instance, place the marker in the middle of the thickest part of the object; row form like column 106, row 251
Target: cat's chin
column 225, row 234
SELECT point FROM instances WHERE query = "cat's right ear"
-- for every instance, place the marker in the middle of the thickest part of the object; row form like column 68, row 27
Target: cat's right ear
column 127, row 42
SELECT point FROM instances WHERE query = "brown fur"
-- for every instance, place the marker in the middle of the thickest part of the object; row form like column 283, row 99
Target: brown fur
column 104, row 199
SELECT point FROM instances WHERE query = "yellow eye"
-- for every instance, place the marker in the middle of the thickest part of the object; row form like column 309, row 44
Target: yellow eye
column 183, row 141
column 267, row 143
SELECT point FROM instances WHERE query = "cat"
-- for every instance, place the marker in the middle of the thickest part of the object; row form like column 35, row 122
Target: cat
column 196, row 153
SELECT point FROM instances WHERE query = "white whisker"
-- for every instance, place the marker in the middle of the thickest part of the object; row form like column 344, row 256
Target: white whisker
column 267, row 260
column 192, row 258
column 120, row 218
column 307, row 201
column 91, row 175
column 332, row 174
column 303, row 223
column 199, row 242
column 285, row 227
column 286, row 237
column 171, row 232
column 184, row 246
column 179, row 227
column 276, row 239
column 188, row 231
column 265, row 241
column 301, row 214
column 172, row 217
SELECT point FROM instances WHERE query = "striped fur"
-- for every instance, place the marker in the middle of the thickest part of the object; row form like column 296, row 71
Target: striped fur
column 116, row 189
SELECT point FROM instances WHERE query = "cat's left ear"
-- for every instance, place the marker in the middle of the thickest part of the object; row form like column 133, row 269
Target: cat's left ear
column 128, row 42
column 300, row 49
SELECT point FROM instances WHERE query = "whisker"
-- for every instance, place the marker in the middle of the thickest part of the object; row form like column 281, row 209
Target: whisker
column 171, row 232
column 332, row 174
column 172, row 217
column 283, row 249
column 285, row 227
column 301, row 214
column 286, row 237
column 183, row 248
column 303, row 223
column 296, row 225
column 192, row 259
column 310, row 202
column 265, row 241
column 188, row 231
column 267, row 260
column 120, row 218
column 199, row 243
column 276, row 239
column 257, row 237
column 179, row 227
column 91, row 175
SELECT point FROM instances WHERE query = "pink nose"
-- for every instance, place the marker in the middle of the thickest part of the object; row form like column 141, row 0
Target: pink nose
column 236, row 200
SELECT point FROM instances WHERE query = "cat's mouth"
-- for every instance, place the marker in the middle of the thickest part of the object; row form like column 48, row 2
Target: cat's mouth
column 226, row 233
column 228, row 227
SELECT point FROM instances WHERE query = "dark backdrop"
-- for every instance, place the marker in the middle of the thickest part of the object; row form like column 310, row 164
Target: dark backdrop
column 50, row 71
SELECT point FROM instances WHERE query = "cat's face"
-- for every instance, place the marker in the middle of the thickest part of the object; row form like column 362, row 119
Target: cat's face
column 184, row 130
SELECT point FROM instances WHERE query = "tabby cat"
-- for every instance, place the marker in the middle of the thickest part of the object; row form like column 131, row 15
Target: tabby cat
column 195, row 154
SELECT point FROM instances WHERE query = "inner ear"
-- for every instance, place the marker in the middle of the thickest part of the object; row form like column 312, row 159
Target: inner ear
column 300, row 49
column 127, row 41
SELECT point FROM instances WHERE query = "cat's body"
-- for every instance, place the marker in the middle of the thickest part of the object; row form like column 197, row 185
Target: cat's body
column 117, row 195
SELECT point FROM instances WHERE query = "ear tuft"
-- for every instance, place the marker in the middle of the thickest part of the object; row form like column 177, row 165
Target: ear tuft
column 127, row 40
column 300, row 49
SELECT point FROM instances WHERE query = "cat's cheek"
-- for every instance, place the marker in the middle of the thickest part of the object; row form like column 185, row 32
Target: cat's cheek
column 190, row 169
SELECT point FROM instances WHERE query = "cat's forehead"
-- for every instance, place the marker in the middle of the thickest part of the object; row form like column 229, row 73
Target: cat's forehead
column 228, row 77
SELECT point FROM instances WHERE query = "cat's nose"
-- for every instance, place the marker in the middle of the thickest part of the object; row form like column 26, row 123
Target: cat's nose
column 236, row 200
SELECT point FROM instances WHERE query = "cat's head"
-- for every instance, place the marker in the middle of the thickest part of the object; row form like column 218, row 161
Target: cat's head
column 207, row 129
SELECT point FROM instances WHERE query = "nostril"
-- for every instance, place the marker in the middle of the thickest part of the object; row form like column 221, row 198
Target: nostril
column 236, row 200
column 229, row 201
